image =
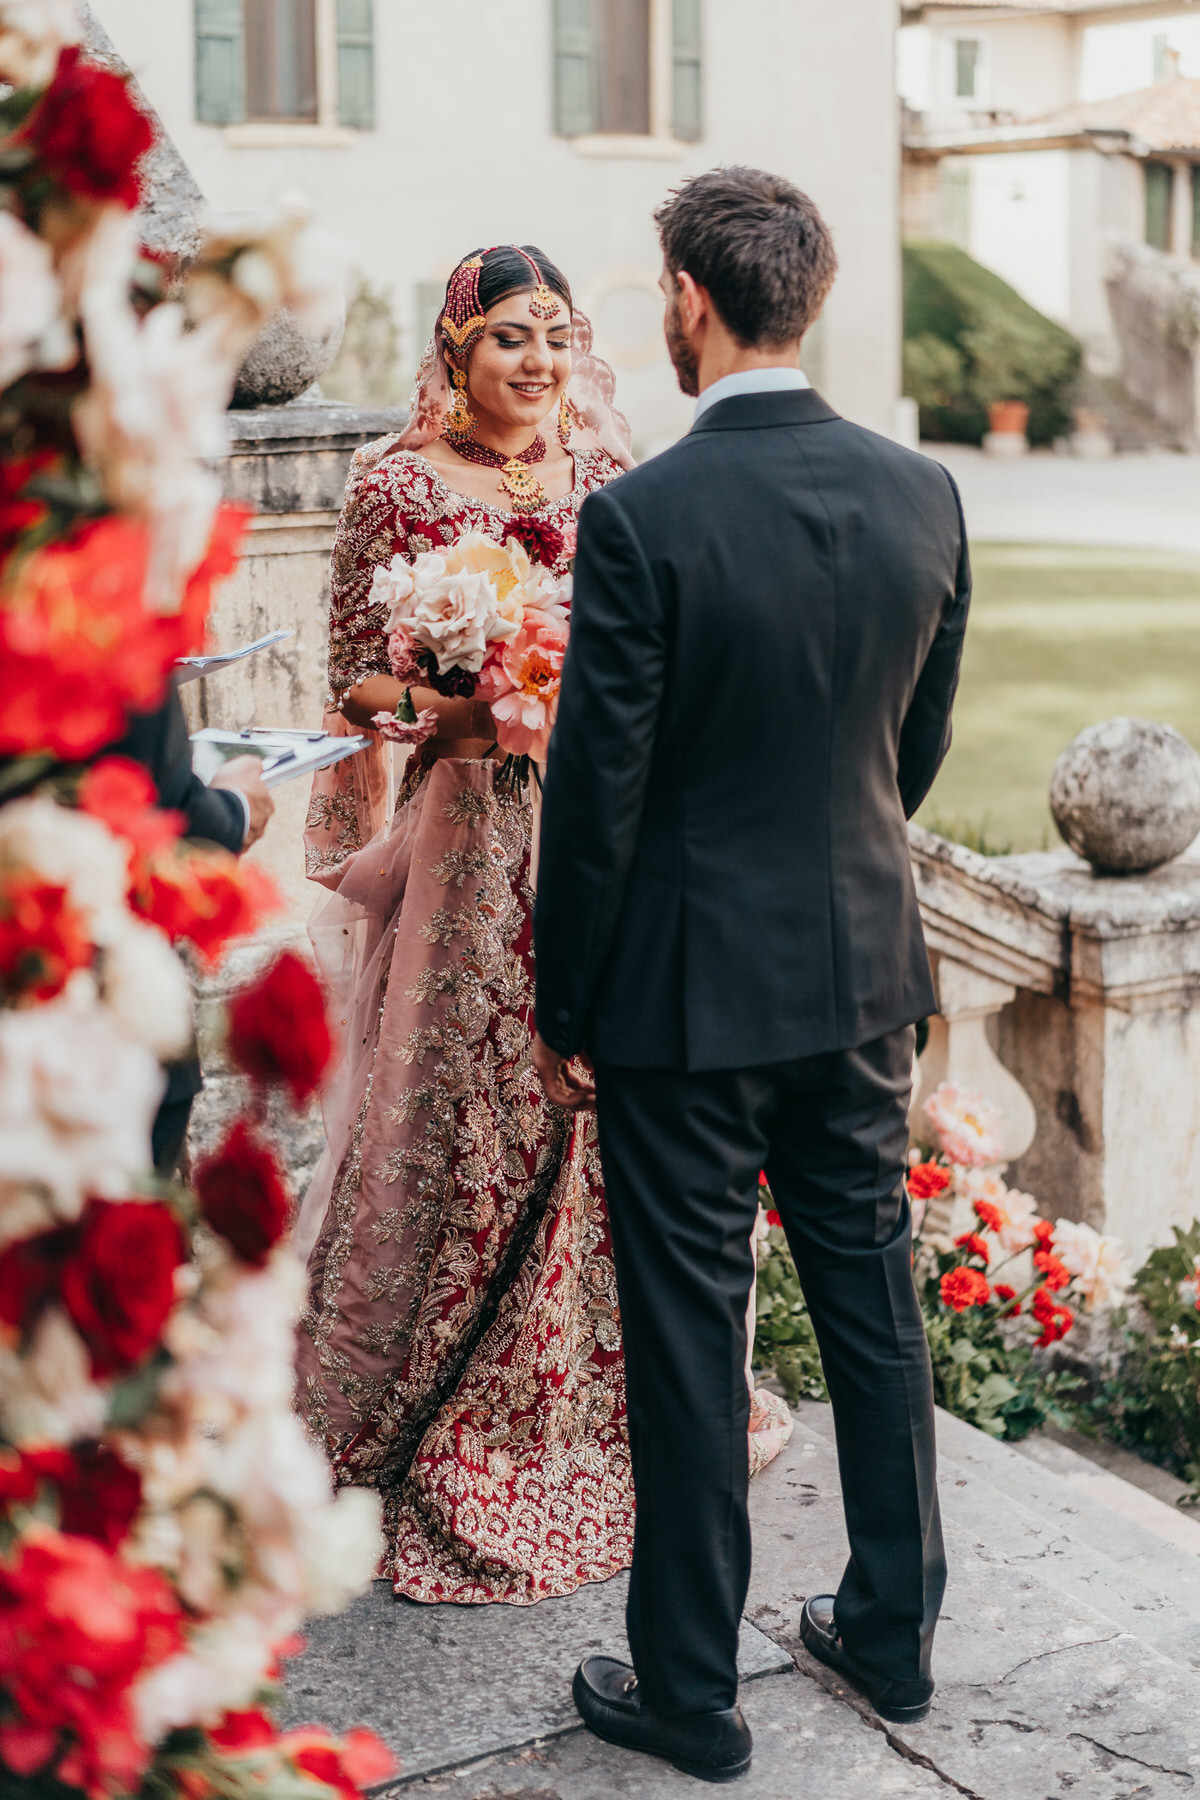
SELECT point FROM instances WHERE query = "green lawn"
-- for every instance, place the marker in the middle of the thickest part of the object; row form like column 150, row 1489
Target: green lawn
column 1060, row 638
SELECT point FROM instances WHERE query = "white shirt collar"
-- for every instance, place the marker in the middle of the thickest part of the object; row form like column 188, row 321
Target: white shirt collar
column 752, row 381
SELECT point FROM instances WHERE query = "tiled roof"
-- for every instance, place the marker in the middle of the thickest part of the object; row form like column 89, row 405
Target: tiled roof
column 1165, row 117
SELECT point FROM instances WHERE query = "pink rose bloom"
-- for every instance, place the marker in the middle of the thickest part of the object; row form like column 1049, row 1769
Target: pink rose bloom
column 570, row 537
column 396, row 731
column 522, row 684
column 402, row 652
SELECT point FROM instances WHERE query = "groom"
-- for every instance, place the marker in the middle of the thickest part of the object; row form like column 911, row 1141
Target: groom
column 767, row 627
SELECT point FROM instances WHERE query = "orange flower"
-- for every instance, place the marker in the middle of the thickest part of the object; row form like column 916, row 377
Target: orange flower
column 974, row 1245
column 205, row 897
column 1055, row 1274
column 989, row 1216
column 927, row 1180
column 78, row 647
column 1056, row 1320
column 119, row 792
column 42, row 938
column 963, row 1288
column 1002, row 1291
column 1043, row 1234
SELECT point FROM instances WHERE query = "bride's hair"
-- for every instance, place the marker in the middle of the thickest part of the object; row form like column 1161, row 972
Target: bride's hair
column 505, row 271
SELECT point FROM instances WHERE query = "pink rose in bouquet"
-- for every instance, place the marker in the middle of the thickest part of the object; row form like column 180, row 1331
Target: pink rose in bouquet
column 522, row 681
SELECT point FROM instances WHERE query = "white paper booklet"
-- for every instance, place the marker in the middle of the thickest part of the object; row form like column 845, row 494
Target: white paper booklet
column 191, row 668
column 285, row 754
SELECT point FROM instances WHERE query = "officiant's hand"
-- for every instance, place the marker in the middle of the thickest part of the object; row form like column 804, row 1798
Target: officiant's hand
column 567, row 1079
column 244, row 773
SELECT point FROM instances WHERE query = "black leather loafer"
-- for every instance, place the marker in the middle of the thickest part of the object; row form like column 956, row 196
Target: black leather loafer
column 903, row 1702
column 713, row 1746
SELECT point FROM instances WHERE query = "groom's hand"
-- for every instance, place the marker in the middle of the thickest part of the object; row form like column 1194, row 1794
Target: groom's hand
column 567, row 1079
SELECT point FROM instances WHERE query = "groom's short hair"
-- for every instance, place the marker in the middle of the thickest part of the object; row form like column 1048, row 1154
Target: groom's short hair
column 757, row 244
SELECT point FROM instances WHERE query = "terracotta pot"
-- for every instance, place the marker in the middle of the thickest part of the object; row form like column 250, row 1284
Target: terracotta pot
column 1008, row 418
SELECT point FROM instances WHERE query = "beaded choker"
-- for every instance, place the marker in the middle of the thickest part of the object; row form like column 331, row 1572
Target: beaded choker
column 523, row 488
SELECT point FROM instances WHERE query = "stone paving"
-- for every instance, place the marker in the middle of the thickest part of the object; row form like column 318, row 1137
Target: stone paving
column 1146, row 501
column 1068, row 1657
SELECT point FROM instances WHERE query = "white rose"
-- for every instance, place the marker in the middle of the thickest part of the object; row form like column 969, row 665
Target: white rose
column 77, row 1102
column 1096, row 1262
column 393, row 587
column 32, row 32
column 30, row 301
column 223, row 1669
column 450, row 618
column 48, row 1393
column 144, row 987
column 343, row 1546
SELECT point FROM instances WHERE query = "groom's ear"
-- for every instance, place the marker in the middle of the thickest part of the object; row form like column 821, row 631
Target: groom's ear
column 694, row 303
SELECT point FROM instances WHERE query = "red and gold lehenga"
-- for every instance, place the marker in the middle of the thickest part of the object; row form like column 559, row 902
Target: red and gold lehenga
column 461, row 1348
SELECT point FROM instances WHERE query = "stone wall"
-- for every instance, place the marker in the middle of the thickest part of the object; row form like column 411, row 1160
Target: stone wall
column 1154, row 300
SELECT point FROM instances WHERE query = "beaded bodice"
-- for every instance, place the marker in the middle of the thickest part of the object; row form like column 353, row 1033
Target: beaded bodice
column 397, row 502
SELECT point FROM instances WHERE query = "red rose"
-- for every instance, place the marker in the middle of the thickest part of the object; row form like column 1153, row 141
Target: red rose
column 119, row 792
column 22, row 1472
column 278, row 1030
column 241, row 1733
column 42, row 938
column 31, row 1274
column 1003, row 1292
column 927, row 1180
column 359, row 1761
column 1055, row 1319
column 989, row 1216
column 974, row 1245
column 89, row 134
column 77, row 1628
column 119, row 1286
column 20, row 512
column 1054, row 1273
column 242, row 1195
column 98, row 1495
column 963, row 1288
column 773, row 1218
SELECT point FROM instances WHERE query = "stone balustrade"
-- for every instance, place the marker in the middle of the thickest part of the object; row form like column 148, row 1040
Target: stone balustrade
column 1072, row 1001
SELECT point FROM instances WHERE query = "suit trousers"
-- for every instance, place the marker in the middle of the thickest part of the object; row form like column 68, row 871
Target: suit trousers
column 682, row 1154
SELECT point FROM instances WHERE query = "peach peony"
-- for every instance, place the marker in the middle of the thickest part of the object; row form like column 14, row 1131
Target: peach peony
column 523, row 682
column 968, row 1127
column 1100, row 1272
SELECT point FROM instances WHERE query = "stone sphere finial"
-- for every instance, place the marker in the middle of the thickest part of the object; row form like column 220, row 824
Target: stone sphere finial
column 1126, row 795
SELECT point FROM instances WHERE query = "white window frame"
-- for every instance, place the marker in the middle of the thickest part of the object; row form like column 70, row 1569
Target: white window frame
column 660, row 143
column 324, row 132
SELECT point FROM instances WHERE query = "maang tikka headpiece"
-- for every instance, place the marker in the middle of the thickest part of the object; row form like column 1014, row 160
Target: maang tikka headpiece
column 462, row 319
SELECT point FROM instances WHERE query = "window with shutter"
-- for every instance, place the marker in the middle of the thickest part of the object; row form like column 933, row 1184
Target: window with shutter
column 220, row 62
column 1160, row 194
column 574, row 68
column 281, row 59
column 623, row 88
column 687, row 71
column 356, row 64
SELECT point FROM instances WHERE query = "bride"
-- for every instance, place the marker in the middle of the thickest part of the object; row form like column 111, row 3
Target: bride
column 461, row 1346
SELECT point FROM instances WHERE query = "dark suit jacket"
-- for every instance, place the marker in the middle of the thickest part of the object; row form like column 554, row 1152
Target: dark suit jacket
column 159, row 741
column 766, row 635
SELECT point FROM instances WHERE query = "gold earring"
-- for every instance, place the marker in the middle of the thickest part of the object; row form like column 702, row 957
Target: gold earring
column 460, row 420
column 564, row 423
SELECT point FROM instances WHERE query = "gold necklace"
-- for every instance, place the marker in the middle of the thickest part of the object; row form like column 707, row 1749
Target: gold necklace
column 517, row 480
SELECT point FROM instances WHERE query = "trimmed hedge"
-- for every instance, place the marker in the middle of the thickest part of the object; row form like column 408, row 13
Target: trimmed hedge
column 970, row 340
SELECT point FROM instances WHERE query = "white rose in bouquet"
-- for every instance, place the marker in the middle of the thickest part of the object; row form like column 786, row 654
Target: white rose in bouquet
column 47, row 1394
column 32, row 331
column 32, row 33
column 69, row 850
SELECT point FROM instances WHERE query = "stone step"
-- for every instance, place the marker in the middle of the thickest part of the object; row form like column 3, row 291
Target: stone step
column 1085, row 1509
column 1134, row 1489
column 1041, row 1695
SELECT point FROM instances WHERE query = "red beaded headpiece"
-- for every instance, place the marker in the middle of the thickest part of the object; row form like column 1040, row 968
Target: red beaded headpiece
column 462, row 319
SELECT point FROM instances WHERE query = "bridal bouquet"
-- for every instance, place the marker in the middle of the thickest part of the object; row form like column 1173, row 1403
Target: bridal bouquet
column 479, row 618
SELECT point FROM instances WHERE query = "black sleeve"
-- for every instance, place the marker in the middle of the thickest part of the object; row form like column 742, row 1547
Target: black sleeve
column 159, row 740
column 598, row 765
column 925, row 734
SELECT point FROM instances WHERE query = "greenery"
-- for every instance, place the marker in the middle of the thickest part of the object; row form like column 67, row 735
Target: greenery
column 971, row 340
column 1059, row 637
column 1152, row 1405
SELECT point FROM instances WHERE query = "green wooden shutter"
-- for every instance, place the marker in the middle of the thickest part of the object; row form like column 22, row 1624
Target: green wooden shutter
column 356, row 64
column 220, row 62
column 574, row 68
column 1160, row 188
column 688, row 71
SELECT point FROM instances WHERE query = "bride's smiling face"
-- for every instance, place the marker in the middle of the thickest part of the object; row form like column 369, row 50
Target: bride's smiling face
column 519, row 369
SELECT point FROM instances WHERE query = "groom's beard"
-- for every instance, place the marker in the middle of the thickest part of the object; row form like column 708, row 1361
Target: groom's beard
column 683, row 358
